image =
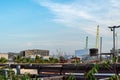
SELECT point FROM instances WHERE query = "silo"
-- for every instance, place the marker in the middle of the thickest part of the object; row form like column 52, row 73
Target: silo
column 93, row 51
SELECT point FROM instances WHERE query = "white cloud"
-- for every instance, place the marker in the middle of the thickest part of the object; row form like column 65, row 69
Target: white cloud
column 115, row 3
column 83, row 16
column 86, row 14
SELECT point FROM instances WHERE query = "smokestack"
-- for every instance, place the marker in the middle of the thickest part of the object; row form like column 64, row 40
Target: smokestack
column 86, row 42
column 97, row 37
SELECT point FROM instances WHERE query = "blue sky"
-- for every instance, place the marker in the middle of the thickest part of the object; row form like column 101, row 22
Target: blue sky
column 56, row 24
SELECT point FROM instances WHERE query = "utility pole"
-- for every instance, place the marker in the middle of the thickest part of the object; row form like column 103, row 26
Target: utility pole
column 114, row 52
column 100, row 48
column 113, row 30
column 100, row 44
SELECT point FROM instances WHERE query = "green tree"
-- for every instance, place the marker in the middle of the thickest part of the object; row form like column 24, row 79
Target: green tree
column 90, row 74
column 28, row 60
column 18, row 59
column 62, row 59
column 3, row 60
column 56, row 60
column 106, row 64
column 26, row 76
column 53, row 60
column 71, row 77
column 37, row 59
column 46, row 61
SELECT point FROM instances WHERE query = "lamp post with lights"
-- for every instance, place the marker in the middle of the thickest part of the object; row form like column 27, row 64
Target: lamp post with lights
column 113, row 29
column 115, row 56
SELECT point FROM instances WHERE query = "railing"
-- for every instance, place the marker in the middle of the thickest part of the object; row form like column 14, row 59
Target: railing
column 65, row 69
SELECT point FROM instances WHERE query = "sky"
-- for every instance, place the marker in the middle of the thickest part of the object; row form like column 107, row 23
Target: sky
column 57, row 24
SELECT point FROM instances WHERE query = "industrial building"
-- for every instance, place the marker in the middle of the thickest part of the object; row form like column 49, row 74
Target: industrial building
column 81, row 52
column 11, row 55
column 34, row 52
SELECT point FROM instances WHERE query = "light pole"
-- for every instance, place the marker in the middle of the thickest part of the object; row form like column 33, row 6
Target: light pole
column 100, row 48
column 114, row 52
column 113, row 29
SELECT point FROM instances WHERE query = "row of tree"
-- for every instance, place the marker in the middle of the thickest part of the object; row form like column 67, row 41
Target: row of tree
column 37, row 59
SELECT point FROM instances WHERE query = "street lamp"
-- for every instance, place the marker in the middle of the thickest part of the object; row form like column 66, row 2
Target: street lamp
column 113, row 29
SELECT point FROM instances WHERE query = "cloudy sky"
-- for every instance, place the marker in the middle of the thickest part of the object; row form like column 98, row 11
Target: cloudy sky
column 57, row 24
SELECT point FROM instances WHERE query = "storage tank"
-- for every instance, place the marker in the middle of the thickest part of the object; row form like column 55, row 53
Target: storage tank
column 93, row 51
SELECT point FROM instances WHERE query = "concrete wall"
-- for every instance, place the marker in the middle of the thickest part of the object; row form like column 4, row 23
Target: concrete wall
column 23, row 71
